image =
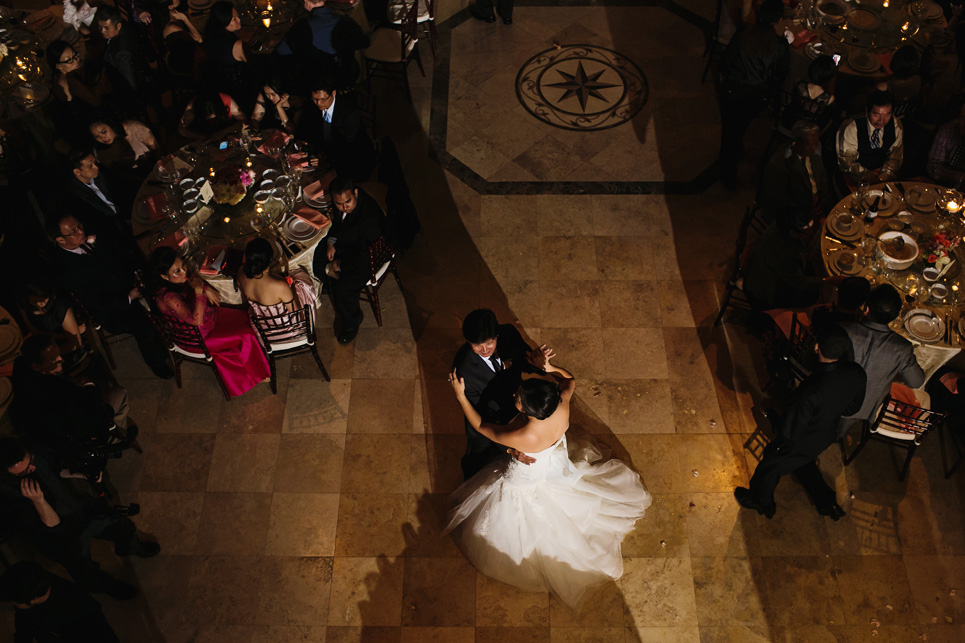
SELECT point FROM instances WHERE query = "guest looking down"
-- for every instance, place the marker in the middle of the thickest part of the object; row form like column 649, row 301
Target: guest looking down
column 267, row 290
column 47, row 311
column 126, row 149
column 210, row 114
column 273, row 108
column 871, row 148
column 904, row 84
column 124, row 55
column 813, row 99
column 333, row 125
column 182, row 296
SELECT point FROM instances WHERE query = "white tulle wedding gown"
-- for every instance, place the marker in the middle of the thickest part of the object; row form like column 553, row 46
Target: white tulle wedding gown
column 555, row 525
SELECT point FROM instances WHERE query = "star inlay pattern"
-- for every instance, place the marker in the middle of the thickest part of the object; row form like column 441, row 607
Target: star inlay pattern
column 581, row 85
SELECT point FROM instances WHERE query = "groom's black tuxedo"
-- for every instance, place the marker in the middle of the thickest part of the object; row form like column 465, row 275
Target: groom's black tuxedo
column 491, row 393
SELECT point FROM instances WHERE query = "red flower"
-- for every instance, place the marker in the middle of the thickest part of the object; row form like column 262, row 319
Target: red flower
column 932, row 258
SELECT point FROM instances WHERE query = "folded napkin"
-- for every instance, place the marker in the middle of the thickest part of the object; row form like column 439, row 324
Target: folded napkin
column 886, row 62
column 313, row 217
column 155, row 203
column 314, row 191
column 174, row 240
column 214, row 261
column 277, row 140
column 802, row 38
column 299, row 160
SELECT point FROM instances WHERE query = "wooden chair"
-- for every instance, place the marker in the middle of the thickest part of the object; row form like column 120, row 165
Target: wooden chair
column 899, row 424
column 393, row 48
column 733, row 293
column 368, row 113
column 186, row 344
column 285, row 335
column 426, row 19
column 381, row 263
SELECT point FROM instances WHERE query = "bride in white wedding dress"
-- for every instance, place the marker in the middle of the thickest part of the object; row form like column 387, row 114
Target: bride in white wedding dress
column 555, row 524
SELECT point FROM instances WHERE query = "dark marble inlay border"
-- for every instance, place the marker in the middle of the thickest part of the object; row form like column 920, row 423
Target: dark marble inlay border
column 439, row 111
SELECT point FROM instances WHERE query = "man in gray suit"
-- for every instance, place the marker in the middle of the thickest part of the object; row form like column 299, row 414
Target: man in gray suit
column 882, row 353
column 795, row 176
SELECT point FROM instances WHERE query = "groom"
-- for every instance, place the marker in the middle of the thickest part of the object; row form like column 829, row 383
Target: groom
column 491, row 362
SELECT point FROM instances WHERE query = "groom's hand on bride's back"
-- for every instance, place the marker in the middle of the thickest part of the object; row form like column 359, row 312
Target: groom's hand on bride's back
column 519, row 455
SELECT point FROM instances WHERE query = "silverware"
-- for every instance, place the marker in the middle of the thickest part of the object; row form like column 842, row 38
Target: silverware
column 841, row 241
column 948, row 330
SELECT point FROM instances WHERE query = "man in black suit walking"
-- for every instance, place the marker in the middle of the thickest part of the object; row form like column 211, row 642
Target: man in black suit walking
column 492, row 362
column 835, row 388
column 358, row 223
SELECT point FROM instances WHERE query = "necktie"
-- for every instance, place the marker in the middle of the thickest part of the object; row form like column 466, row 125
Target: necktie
column 88, row 248
column 876, row 139
column 497, row 366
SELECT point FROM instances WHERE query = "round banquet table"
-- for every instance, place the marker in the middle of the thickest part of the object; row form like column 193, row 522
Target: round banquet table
column 850, row 246
column 215, row 225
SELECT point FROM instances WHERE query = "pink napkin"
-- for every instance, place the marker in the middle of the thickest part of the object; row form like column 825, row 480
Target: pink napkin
column 886, row 62
column 154, row 204
column 312, row 217
column 277, row 140
column 802, row 38
column 174, row 240
column 214, row 261
column 299, row 160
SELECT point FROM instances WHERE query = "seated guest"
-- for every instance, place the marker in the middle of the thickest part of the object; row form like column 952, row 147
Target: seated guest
column 904, row 83
column 100, row 273
column 126, row 150
column 795, row 176
column 267, row 291
column 947, row 393
column 946, row 160
column 326, row 42
column 813, row 98
column 99, row 200
column 850, row 305
column 358, row 223
column 210, row 114
column 333, row 125
column 881, row 352
column 78, row 95
column 778, row 273
column 82, row 412
column 181, row 38
column 870, row 148
column 183, row 296
column 51, row 608
column 63, row 522
column 272, row 107
column 227, row 65
column 124, row 56
column 47, row 311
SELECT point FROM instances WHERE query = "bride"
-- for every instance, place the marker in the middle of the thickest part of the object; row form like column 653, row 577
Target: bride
column 555, row 524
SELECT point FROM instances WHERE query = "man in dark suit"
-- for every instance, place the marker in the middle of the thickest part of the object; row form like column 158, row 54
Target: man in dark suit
column 358, row 223
column 98, row 275
column 126, row 59
column 92, row 195
column 795, row 176
column 836, row 387
column 491, row 362
column 327, row 41
column 334, row 126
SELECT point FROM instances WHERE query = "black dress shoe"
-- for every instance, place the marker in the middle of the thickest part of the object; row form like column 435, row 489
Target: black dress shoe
column 507, row 21
column 745, row 499
column 479, row 14
column 346, row 336
column 121, row 591
column 834, row 512
column 163, row 371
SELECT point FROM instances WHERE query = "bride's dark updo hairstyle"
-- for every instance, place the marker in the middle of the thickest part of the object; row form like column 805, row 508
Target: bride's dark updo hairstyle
column 258, row 256
column 539, row 398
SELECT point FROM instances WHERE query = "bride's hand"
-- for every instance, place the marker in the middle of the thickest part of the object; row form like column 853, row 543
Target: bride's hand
column 540, row 357
column 458, row 383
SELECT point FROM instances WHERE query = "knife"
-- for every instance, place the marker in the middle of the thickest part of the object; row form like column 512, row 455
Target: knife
column 841, row 241
column 901, row 189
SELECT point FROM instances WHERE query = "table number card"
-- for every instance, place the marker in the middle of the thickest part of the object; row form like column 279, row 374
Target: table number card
column 207, row 193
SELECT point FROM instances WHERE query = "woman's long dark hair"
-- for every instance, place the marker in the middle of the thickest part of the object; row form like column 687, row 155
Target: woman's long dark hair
column 219, row 17
column 158, row 265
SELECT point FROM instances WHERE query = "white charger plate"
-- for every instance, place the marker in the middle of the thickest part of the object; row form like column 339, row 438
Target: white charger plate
column 924, row 325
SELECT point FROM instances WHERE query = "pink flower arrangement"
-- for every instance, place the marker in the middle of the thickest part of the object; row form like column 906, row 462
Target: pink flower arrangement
column 939, row 248
column 231, row 183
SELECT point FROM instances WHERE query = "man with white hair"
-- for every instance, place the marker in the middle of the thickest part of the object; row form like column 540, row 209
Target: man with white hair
column 795, row 176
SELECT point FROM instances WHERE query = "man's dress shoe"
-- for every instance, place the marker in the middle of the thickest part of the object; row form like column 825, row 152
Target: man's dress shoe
column 506, row 21
column 479, row 14
column 745, row 499
column 834, row 512
column 346, row 336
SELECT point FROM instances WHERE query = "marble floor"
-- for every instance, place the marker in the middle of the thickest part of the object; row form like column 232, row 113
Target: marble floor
column 314, row 514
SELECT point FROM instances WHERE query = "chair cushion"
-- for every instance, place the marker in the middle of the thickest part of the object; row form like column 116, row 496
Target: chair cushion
column 379, row 274
column 284, row 346
column 188, row 353
column 386, row 46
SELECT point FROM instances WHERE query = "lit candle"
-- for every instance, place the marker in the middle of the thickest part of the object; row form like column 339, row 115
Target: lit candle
column 885, row 5
column 227, row 219
column 211, row 171
column 953, row 206
column 267, row 20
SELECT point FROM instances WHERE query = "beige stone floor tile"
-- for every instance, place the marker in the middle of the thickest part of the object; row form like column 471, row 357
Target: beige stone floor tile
column 317, row 406
column 143, row 398
column 426, row 517
column 175, row 462
column 439, row 592
column 549, row 159
column 643, row 634
column 566, row 258
column 622, row 216
column 513, row 256
column 569, row 304
column 796, row 529
column 434, row 463
column 579, row 350
column 224, row 591
column 869, row 527
column 662, row 532
column 639, row 406
column 935, row 583
column 336, row 359
column 505, row 215
column 589, row 408
column 634, row 353
column 659, row 592
column 730, row 591
column 371, row 524
column 718, row 526
column 438, row 635
column 630, row 304
column 380, row 406
column 564, row 216
column 162, row 583
column 481, row 156
column 801, row 590
column 439, row 302
column 625, row 258
column 302, row 524
column 874, row 588
column 586, row 634
column 735, row 634
column 296, row 591
column 243, row 463
column 520, row 295
column 195, row 408
column 655, row 458
column 225, row 633
column 233, row 524
column 172, row 519
column 369, row 634
column 366, row 591
column 511, row 173
column 603, row 606
column 944, row 633
column 931, row 525
column 309, row 463
column 716, row 459
column 376, row 463
column 501, row 605
column 675, row 306
column 384, row 353
column 289, row 633
column 258, row 410
column 512, row 634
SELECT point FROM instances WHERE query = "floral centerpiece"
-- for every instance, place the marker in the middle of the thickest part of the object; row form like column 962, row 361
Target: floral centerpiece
column 230, row 184
column 937, row 251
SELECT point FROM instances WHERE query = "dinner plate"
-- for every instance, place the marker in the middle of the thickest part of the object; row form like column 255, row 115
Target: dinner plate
column 298, row 229
column 841, row 264
column 924, row 325
column 884, row 206
column 8, row 338
column 815, row 49
column 864, row 62
column 845, row 226
column 921, row 199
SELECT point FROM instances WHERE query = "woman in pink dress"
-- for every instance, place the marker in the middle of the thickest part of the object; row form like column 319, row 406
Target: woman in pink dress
column 183, row 296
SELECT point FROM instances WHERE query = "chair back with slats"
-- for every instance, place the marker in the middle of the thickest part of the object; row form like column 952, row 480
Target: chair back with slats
column 733, row 294
column 183, row 338
column 905, row 422
column 380, row 253
column 287, row 331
